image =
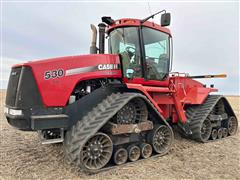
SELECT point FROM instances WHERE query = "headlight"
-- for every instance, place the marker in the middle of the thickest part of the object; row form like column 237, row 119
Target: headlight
column 5, row 110
column 15, row 112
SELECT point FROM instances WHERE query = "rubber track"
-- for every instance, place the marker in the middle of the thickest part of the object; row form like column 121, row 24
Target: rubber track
column 197, row 114
column 93, row 122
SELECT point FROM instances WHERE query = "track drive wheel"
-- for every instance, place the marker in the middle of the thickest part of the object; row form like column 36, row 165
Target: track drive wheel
column 96, row 152
column 120, row 156
column 133, row 112
column 232, row 125
column 161, row 138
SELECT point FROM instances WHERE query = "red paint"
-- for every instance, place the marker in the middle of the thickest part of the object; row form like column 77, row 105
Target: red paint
column 56, row 92
column 169, row 96
column 171, row 100
column 148, row 82
column 136, row 22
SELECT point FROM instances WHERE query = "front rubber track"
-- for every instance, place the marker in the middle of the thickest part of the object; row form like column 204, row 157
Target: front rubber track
column 90, row 124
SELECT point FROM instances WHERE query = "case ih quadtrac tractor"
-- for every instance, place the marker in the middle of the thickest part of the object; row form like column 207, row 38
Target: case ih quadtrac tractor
column 116, row 108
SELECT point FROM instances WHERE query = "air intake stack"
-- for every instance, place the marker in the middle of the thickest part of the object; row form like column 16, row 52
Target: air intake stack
column 93, row 47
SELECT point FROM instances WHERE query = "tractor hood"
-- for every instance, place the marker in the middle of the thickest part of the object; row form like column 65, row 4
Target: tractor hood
column 56, row 78
column 70, row 61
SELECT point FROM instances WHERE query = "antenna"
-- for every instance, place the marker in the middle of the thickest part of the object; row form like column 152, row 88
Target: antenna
column 149, row 8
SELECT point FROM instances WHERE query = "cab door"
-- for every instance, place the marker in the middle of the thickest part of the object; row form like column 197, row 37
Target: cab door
column 156, row 55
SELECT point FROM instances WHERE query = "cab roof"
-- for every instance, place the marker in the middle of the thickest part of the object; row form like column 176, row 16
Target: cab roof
column 136, row 22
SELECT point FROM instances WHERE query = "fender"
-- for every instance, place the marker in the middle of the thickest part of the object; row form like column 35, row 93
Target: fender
column 77, row 110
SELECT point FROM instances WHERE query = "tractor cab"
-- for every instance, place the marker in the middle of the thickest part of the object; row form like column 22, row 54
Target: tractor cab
column 145, row 52
column 144, row 48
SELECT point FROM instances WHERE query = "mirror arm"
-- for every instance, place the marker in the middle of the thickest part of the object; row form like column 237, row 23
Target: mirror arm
column 171, row 55
column 152, row 16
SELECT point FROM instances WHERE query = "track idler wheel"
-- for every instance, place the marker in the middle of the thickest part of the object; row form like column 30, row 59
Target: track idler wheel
column 96, row 152
column 120, row 156
column 205, row 131
column 146, row 150
column 133, row 112
column 225, row 132
column 214, row 134
column 232, row 125
column 161, row 138
column 220, row 133
column 133, row 153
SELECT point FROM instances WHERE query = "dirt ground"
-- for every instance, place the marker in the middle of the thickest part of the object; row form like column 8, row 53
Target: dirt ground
column 23, row 157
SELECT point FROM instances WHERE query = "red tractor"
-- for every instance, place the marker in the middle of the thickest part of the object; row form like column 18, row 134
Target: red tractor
column 115, row 108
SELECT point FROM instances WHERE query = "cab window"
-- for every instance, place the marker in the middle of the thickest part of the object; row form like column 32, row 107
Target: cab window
column 157, row 55
column 125, row 42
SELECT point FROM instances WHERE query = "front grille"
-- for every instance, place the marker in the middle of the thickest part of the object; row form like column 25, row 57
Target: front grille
column 22, row 89
column 12, row 86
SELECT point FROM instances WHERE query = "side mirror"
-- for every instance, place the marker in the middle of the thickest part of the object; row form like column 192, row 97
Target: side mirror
column 165, row 19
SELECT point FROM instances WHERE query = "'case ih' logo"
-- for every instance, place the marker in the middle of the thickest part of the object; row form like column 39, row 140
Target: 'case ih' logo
column 107, row 66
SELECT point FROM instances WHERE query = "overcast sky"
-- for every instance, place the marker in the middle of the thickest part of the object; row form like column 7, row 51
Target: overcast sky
column 205, row 35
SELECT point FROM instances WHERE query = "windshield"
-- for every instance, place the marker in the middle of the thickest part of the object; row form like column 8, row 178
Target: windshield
column 125, row 41
column 157, row 55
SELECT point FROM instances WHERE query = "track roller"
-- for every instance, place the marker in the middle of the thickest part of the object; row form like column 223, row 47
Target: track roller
column 120, row 156
column 146, row 150
column 214, row 134
column 232, row 125
column 160, row 138
column 225, row 132
column 133, row 153
column 220, row 133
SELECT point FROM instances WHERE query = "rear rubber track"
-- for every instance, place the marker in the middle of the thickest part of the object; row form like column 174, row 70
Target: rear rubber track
column 197, row 114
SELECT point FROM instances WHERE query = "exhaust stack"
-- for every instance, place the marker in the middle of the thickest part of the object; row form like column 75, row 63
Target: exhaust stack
column 93, row 47
column 101, row 27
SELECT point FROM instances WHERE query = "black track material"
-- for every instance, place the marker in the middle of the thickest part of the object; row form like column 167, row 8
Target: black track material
column 198, row 113
column 90, row 124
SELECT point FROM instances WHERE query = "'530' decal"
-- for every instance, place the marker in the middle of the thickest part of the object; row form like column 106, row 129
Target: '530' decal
column 53, row 74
